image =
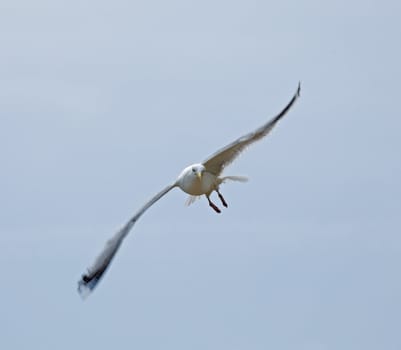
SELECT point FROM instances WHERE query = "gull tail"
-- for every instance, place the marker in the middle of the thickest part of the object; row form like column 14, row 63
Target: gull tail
column 234, row 178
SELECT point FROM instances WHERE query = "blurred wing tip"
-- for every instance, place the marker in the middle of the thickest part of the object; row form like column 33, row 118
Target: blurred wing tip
column 86, row 286
column 299, row 89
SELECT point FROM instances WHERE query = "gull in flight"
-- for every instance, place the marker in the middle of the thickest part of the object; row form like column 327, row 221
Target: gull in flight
column 196, row 180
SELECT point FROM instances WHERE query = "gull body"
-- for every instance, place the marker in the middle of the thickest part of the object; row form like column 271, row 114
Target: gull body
column 196, row 180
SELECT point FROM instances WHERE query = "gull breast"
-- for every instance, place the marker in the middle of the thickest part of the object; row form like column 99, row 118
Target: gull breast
column 196, row 187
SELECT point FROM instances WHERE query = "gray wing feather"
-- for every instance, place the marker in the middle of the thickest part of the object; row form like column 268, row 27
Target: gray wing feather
column 216, row 163
column 89, row 280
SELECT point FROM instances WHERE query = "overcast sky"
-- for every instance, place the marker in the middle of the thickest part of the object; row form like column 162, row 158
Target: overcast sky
column 102, row 103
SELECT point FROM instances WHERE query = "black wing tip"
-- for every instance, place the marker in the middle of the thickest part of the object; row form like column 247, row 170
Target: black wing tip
column 86, row 285
column 289, row 105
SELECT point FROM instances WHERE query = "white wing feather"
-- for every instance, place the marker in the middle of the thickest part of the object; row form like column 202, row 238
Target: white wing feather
column 225, row 156
column 89, row 280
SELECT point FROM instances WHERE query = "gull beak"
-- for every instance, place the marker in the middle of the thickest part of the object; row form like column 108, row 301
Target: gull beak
column 199, row 175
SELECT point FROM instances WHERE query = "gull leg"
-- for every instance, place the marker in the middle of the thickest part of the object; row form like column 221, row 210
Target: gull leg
column 222, row 198
column 214, row 206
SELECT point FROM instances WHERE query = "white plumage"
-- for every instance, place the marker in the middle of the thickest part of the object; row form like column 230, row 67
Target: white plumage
column 196, row 180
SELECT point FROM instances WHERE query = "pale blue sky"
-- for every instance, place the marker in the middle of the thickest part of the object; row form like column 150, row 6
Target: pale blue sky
column 103, row 103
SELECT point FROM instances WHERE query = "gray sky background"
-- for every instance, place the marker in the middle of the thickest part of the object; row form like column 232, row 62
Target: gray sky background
column 103, row 103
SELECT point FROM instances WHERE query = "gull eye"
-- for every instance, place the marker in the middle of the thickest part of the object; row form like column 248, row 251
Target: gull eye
column 193, row 170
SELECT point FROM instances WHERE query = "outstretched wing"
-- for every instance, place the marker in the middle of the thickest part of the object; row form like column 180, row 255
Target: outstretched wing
column 225, row 156
column 89, row 280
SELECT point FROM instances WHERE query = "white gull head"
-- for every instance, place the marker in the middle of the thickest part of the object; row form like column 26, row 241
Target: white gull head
column 195, row 180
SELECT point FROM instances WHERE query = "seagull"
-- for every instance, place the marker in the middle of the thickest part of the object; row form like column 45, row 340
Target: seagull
column 199, row 179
